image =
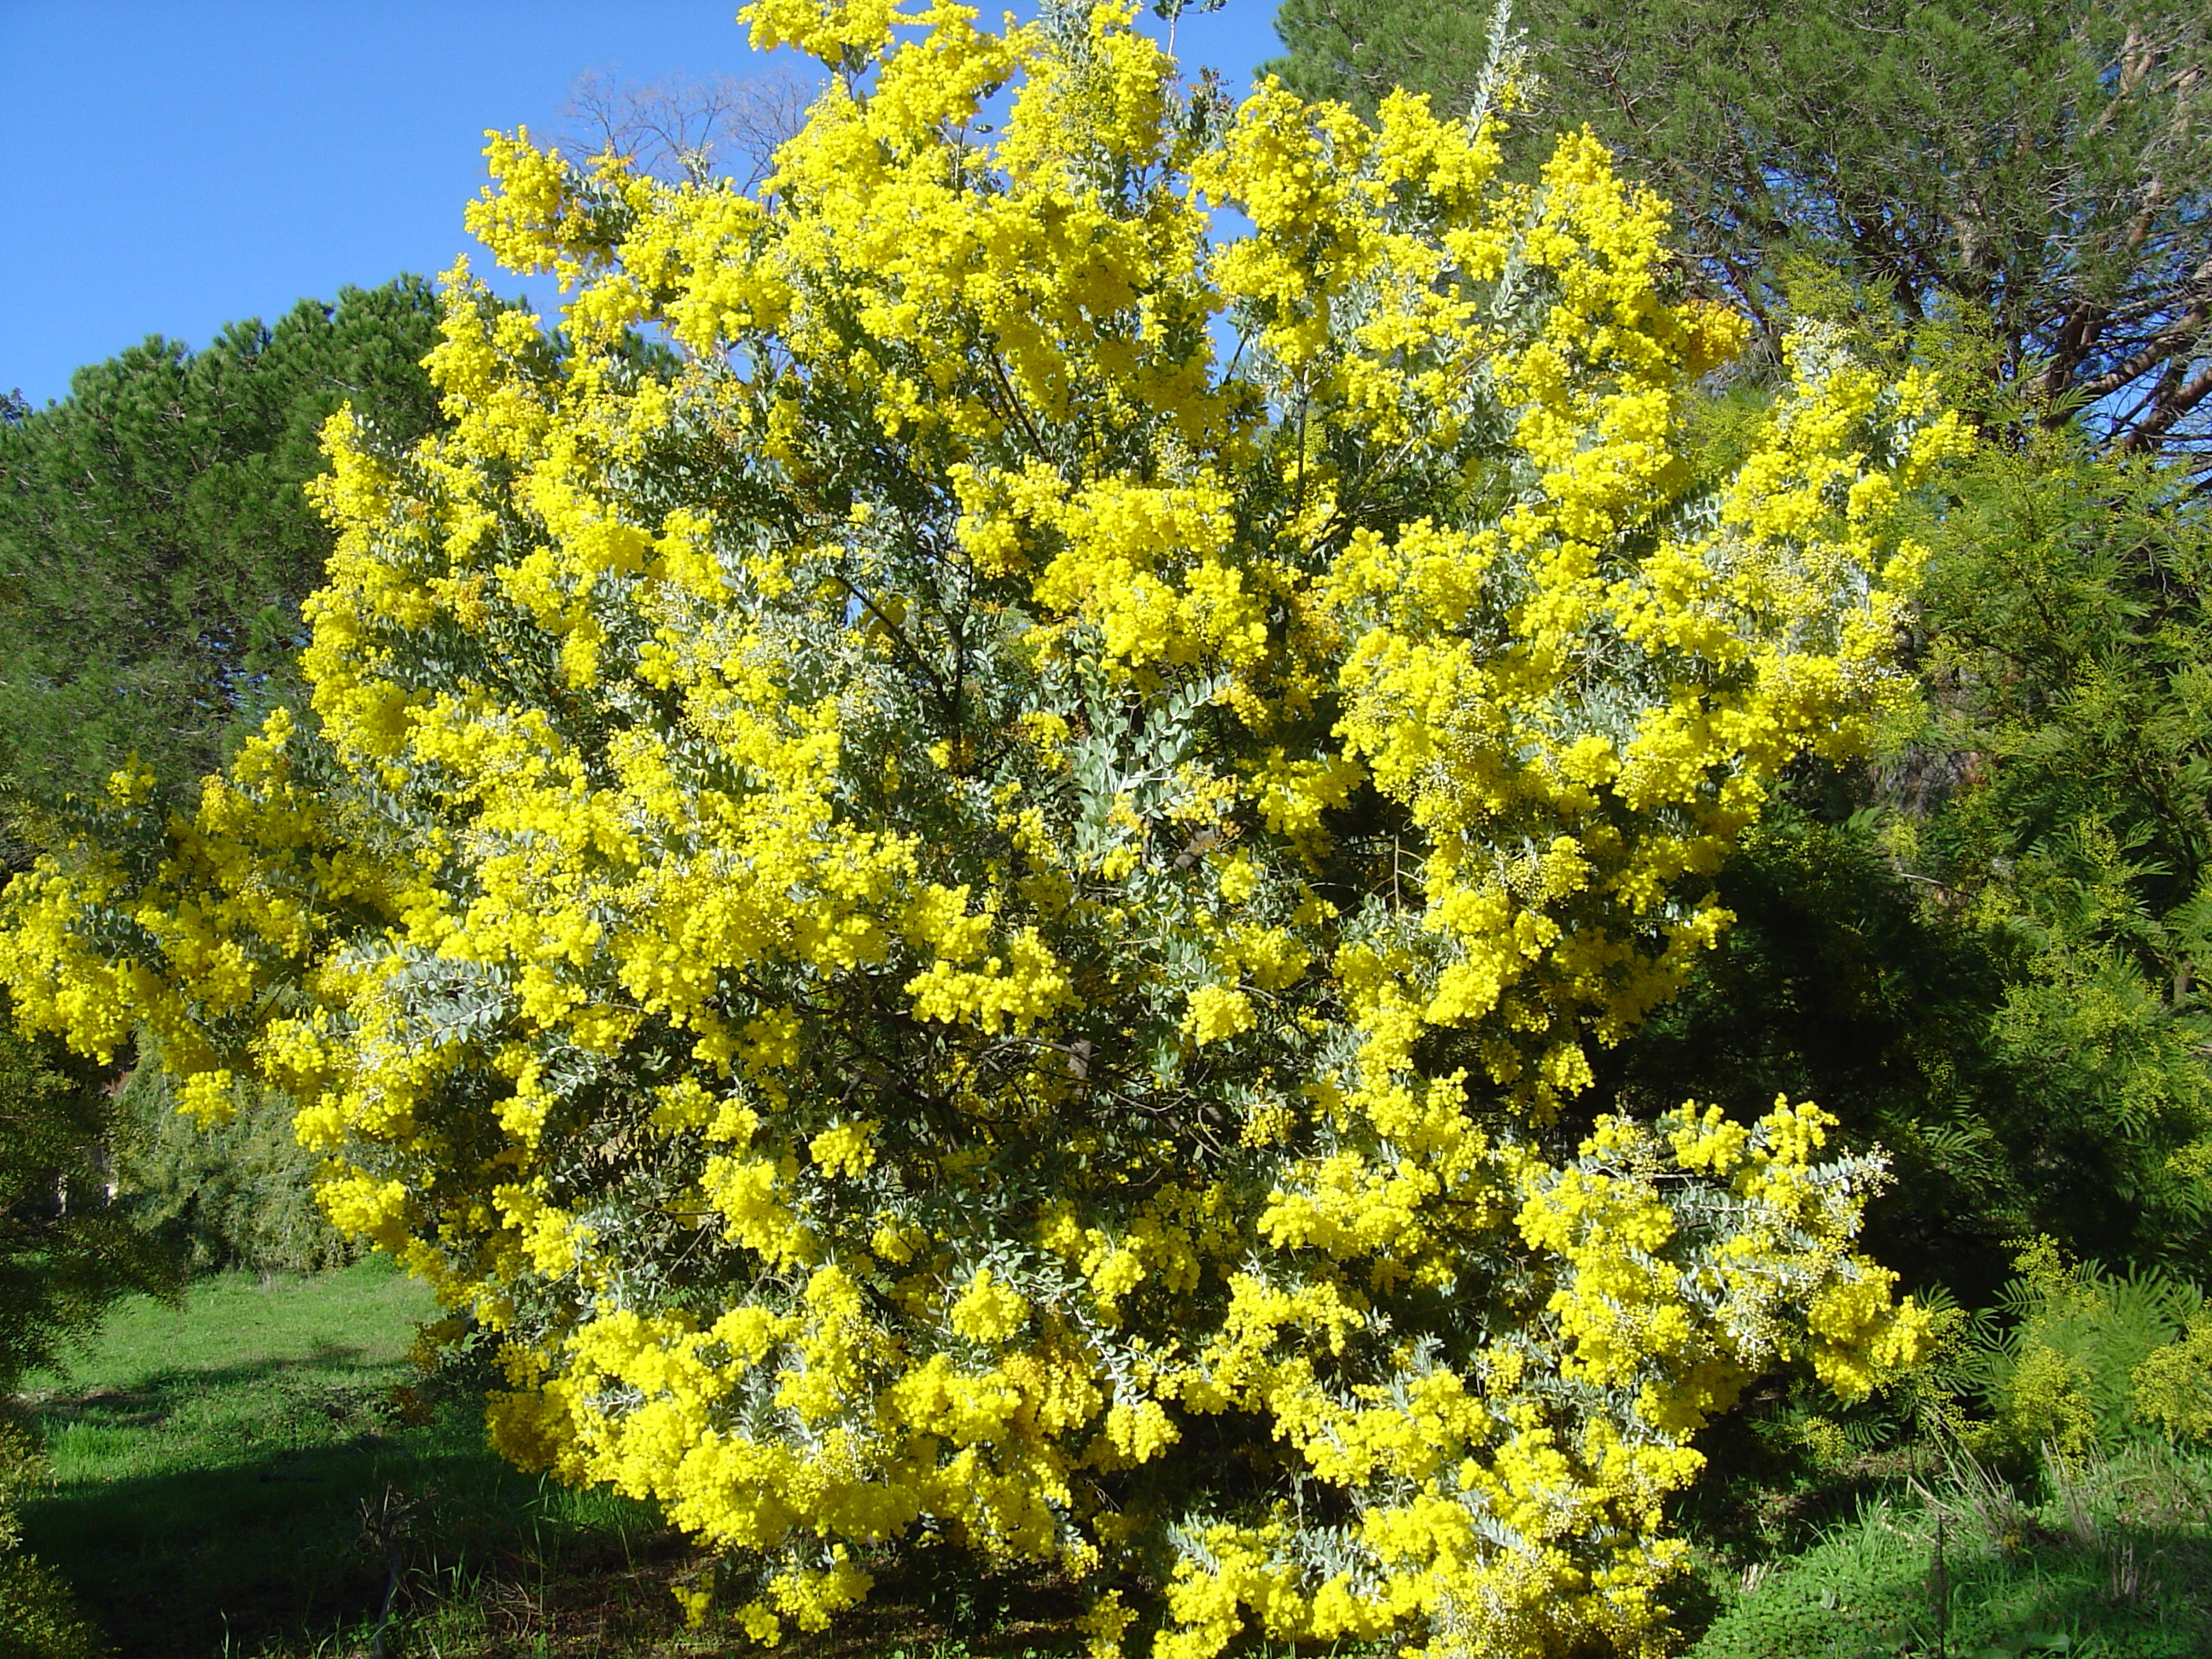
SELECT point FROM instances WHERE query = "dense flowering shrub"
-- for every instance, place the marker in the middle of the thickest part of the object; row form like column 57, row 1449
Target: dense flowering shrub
column 980, row 910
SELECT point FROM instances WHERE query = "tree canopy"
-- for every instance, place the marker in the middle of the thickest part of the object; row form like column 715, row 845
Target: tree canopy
column 156, row 540
column 2044, row 170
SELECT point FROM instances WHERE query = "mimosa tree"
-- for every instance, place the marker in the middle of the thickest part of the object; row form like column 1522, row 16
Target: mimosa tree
column 981, row 912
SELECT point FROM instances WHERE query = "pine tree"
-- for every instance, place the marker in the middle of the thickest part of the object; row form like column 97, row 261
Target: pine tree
column 156, row 540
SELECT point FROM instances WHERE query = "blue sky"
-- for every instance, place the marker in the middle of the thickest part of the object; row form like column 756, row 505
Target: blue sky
column 178, row 164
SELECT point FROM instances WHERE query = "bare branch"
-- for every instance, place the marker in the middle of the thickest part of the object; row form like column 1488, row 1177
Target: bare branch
column 684, row 129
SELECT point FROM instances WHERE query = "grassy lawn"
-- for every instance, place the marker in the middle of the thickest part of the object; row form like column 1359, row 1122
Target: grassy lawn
column 234, row 1477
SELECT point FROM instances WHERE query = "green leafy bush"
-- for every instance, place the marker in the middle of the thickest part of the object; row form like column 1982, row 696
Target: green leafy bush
column 38, row 1618
column 1982, row 954
column 66, row 1255
column 237, row 1193
column 2172, row 1385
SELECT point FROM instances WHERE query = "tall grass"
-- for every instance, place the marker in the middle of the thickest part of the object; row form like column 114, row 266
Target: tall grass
column 2106, row 1555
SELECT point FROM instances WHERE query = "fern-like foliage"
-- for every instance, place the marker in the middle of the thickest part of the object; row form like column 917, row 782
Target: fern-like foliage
column 2059, row 1367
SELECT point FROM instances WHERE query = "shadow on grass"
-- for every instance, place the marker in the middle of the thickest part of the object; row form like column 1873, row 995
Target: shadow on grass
column 265, row 1507
column 158, row 1397
column 271, row 1509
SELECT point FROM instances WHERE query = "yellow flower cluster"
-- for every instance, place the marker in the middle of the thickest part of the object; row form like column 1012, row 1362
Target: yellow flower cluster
column 1007, row 863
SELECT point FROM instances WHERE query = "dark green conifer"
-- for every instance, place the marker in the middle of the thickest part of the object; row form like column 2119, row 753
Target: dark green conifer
column 155, row 541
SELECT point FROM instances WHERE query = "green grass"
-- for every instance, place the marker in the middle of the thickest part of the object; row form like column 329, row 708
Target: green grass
column 2114, row 1561
column 236, row 1477
column 200, row 1376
